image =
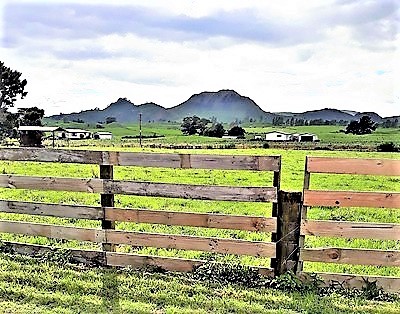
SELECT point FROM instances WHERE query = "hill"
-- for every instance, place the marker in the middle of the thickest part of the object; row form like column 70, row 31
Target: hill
column 224, row 105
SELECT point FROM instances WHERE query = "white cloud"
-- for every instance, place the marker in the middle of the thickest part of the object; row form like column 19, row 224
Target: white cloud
column 287, row 56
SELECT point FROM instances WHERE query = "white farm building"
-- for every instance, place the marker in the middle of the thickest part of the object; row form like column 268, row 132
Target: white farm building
column 278, row 136
column 305, row 137
column 102, row 136
column 74, row 134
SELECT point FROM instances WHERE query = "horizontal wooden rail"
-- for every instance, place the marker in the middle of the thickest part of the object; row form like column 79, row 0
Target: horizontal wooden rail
column 101, row 258
column 351, row 256
column 351, row 199
column 267, row 163
column 391, row 284
column 186, row 191
column 217, row 245
column 53, row 231
column 182, row 242
column 351, row 230
column 166, row 263
column 51, row 183
column 386, row 167
column 206, row 220
column 55, row 210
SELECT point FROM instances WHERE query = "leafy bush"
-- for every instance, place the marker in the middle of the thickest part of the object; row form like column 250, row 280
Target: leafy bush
column 387, row 147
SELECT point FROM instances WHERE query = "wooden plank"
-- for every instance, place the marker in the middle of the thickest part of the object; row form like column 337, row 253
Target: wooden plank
column 51, row 183
column 385, row 167
column 181, row 242
column 264, row 163
column 187, row 191
column 51, row 155
column 206, row 220
column 351, row 256
column 52, row 231
column 54, row 210
column 269, row 163
column 351, row 230
column 166, row 263
column 391, row 284
column 87, row 257
column 352, row 199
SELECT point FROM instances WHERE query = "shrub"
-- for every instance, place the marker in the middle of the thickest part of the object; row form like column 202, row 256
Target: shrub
column 387, row 147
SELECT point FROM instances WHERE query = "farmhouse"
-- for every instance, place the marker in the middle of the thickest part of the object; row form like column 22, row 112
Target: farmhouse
column 102, row 136
column 278, row 136
column 74, row 134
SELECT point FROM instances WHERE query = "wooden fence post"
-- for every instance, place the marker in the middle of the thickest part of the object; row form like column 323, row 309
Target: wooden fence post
column 288, row 232
column 107, row 200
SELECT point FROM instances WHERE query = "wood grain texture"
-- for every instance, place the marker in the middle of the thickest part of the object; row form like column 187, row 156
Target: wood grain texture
column 351, row 230
column 385, row 167
column 391, row 284
column 54, row 210
column 51, row 155
column 52, row 231
column 51, row 183
column 181, row 242
column 219, row 221
column 352, row 256
column 187, row 191
column 264, row 163
column 166, row 263
column 352, row 199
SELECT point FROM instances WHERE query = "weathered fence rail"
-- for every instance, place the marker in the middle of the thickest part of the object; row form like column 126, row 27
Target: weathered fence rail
column 288, row 224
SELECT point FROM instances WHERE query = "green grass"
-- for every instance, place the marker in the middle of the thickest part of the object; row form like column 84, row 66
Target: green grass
column 30, row 286
column 292, row 179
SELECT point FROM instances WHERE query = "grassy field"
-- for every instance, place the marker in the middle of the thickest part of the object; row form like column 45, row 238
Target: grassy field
column 292, row 178
column 29, row 286
column 173, row 135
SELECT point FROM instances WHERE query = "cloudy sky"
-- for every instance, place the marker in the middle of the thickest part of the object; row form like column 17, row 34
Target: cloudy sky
column 286, row 55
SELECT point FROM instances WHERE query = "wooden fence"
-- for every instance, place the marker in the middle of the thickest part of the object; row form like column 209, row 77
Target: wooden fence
column 347, row 229
column 108, row 237
column 289, row 224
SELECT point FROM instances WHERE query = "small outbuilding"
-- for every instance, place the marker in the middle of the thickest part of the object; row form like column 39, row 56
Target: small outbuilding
column 31, row 135
column 278, row 136
column 102, row 136
column 74, row 134
column 305, row 137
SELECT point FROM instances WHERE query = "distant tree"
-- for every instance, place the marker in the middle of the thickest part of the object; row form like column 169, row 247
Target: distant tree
column 364, row 126
column 111, row 120
column 194, row 125
column 31, row 117
column 11, row 86
column 236, row 131
column 216, row 130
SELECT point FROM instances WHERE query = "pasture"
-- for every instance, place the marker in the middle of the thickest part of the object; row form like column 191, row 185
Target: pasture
column 173, row 135
column 26, row 283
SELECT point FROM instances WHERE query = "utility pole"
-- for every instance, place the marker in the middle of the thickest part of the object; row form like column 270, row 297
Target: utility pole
column 140, row 129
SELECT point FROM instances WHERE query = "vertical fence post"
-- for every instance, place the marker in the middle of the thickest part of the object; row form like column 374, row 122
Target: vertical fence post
column 288, row 232
column 107, row 200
